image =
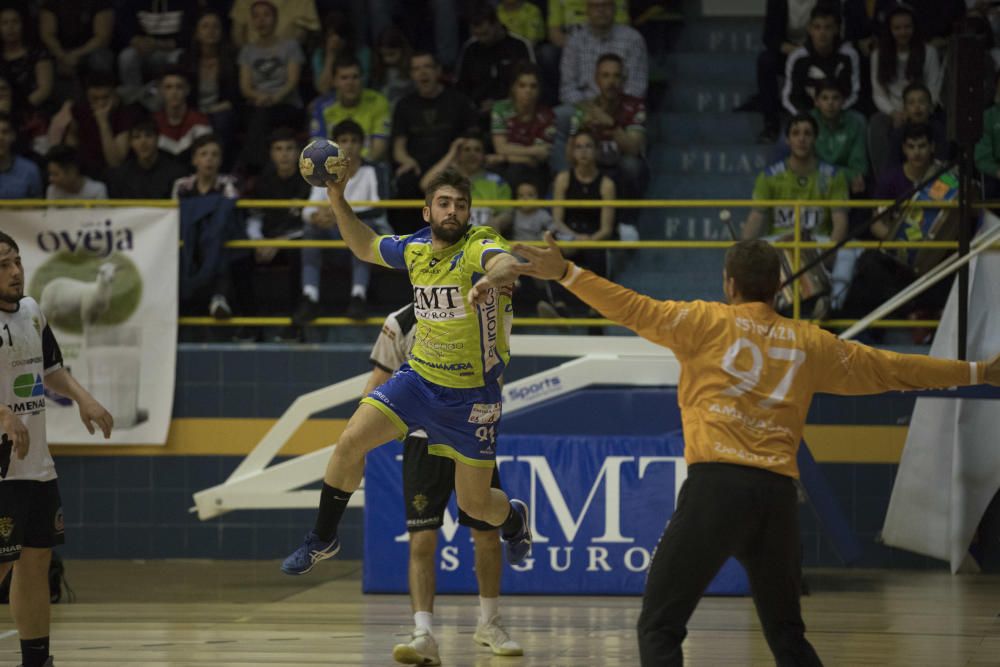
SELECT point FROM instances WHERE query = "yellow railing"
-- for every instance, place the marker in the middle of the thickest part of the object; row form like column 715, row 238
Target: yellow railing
column 797, row 245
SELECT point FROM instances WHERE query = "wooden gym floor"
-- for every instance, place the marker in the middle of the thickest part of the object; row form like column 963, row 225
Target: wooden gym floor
column 239, row 614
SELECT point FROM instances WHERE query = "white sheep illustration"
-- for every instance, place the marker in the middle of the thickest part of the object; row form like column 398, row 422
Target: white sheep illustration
column 64, row 296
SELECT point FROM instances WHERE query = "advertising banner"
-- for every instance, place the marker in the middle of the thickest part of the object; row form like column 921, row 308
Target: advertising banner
column 598, row 507
column 106, row 280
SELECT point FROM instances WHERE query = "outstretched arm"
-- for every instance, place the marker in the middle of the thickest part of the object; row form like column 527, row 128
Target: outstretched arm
column 360, row 238
column 91, row 412
column 501, row 270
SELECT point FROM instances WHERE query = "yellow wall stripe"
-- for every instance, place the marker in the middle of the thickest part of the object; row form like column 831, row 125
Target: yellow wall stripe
column 236, row 437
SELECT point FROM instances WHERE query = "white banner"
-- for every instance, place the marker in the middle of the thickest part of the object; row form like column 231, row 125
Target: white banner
column 106, row 280
column 950, row 468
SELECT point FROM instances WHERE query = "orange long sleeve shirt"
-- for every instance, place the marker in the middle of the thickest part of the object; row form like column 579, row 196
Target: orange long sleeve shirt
column 749, row 374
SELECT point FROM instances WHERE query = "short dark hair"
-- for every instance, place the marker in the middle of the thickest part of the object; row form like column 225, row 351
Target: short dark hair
column 917, row 86
column 473, row 134
column 6, row 238
column 145, row 125
column 345, row 61
column 423, row 54
column 824, row 10
column 482, row 12
column 64, row 156
column 449, row 178
column 178, row 71
column 100, row 79
column 829, row 84
column 282, row 134
column 755, row 266
column 347, row 127
column 205, row 140
column 269, row 3
column 609, row 58
column 802, row 118
column 918, row 131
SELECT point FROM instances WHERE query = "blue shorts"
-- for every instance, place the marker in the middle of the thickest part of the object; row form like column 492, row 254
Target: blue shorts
column 460, row 423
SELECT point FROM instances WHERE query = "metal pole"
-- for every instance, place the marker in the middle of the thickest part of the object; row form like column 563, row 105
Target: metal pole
column 964, row 222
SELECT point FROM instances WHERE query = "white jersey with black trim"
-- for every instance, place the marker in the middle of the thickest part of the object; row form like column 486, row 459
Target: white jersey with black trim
column 394, row 343
column 28, row 353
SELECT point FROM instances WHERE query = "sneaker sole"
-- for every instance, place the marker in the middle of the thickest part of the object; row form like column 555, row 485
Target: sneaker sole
column 315, row 560
column 407, row 655
column 499, row 651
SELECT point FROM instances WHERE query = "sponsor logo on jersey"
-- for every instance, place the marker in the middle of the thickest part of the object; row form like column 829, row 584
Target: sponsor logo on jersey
column 484, row 413
column 438, row 303
column 28, row 384
column 27, row 407
column 6, row 527
column 489, row 322
column 454, row 367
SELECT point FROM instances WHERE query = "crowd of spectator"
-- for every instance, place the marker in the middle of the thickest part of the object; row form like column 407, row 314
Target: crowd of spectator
column 207, row 101
column 860, row 85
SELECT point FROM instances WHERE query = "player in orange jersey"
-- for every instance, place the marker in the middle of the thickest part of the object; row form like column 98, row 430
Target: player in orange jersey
column 748, row 376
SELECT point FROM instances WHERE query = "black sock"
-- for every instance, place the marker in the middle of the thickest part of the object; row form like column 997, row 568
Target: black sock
column 332, row 503
column 512, row 525
column 34, row 652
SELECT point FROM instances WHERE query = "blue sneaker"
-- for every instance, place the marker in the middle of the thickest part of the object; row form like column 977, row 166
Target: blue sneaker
column 519, row 545
column 312, row 551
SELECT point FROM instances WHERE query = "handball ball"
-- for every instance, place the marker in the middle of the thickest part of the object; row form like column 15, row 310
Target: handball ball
column 322, row 161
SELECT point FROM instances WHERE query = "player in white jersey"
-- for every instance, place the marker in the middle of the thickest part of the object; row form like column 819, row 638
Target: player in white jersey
column 428, row 483
column 31, row 518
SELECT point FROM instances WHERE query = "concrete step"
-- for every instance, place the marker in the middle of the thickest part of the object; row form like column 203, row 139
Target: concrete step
column 701, row 186
column 721, row 36
column 705, row 96
column 711, row 159
column 686, row 128
column 691, row 66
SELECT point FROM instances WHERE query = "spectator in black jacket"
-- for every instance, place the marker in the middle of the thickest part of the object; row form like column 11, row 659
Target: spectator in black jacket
column 822, row 57
column 486, row 63
column 148, row 172
column 784, row 31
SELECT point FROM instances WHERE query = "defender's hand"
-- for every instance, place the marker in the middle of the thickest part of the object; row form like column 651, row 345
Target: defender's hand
column 480, row 291
column 93, row 413
column 546, row 263
column 20, row 438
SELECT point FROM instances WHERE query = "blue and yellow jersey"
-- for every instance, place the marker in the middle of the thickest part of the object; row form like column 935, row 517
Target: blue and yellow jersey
column 455, row 344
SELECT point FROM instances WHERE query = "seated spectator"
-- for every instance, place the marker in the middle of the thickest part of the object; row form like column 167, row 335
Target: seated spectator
column 523, row 18
column 823, row 56
column 804, row 176
column 78, row 35
column 881, row 274
column 206, row 158
column 902, row 58
column 99, row 125
column 785, row 23
column 350, row 100
column 468, row 156
column 211, row 64
column 19, row 177
column 617, row 121
column 887, row 150
column 486, row 62
column 530, row 224
column 279, row 180
column 206, row 266
column 321, row 224
column 65, row 179
column 269, row 80
column 842, row 136
column 148, row 172
column 391, row 66
column 296, row 20
column 583, row 180
column 601, row 35
column 988, row 148
column 340, row 42
column 26, row 66
column 155, row 29
column 178, row 124
column 441, row 16
column 523, row 130
column 424, row 125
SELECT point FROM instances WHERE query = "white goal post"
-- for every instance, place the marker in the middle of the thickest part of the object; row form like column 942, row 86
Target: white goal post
column 255, row 484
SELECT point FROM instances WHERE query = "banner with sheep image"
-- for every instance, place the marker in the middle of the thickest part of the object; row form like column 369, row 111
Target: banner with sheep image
column 106, row 280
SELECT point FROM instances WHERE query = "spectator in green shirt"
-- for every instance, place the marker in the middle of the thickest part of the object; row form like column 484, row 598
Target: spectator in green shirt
column 522, row 18
column 988, row 148
column 841, row 139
